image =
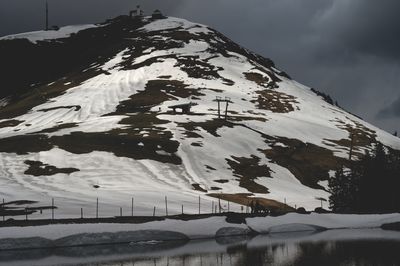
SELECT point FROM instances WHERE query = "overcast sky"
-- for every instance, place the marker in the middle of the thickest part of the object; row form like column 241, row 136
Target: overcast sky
column 349, row 49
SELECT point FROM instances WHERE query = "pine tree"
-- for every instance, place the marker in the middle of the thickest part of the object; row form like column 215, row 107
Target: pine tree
column 370, row 186
column 370, row 173
column 343, row 191
column 335, row 187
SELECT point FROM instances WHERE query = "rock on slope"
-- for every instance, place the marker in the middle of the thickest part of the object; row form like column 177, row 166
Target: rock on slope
column 85, row 115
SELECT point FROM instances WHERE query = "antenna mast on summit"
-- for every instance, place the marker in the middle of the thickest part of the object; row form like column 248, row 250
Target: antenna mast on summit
column 47, row 15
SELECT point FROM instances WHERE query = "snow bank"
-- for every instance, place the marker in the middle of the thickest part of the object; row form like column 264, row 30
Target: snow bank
column 175, row 23
column 63, row 235
column 36, row 36
column 314, row 222
column 195, row 229
column 295, row 227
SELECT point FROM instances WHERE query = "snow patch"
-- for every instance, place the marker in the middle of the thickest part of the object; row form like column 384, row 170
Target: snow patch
column 36, row 36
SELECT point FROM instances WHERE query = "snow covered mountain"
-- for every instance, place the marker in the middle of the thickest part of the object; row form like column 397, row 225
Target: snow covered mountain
column 85, row 114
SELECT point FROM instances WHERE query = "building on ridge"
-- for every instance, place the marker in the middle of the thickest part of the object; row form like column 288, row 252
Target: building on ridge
column 137, row 13
column 157, row 14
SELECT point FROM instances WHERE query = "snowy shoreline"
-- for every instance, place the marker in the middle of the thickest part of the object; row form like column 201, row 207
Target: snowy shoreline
column 151, row 250
column 72, row 235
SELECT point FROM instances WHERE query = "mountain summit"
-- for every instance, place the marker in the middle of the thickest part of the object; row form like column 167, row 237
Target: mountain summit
column 163, row 107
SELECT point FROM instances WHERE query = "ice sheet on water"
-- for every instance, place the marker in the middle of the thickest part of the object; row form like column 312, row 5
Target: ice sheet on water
column 133, row 237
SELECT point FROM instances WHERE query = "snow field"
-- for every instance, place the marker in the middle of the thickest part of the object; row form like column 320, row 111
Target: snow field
column 150, row 181
column 37, row 36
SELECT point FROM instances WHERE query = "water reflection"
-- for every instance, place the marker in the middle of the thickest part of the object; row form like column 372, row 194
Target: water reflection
column 337, row 247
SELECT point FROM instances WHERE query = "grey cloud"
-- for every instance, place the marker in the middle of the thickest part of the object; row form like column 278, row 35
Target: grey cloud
column 26, row 15
column 391, row 111
column 362, row 27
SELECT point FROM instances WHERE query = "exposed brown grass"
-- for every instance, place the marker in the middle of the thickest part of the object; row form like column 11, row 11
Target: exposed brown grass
column 239, row 118
column 123, row 142
column 277, row 102
column 25, row 144
column 42, row 93
column 308, row 162
column 210, row 168
column 257, row 78
column 155, row 93
column 362, row 137
column 10, row 123
column 58, row 127
column 37, row 168
column 199, row 188
column 75, row 107
column 198, row 68
column 211, row 126
column 247, row 170
column 246, row 199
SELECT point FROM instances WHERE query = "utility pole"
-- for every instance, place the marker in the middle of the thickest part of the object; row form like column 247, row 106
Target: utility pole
column 199, row 205
column 166, row 206
column 97, row 208
column 132, row 206
column 52, row 209
column 47, row 16
column 227, row 100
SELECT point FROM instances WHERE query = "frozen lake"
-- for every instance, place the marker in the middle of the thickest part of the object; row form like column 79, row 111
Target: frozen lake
column 332, row 247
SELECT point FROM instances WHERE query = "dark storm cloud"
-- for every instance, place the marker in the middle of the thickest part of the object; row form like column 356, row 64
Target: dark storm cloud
column 393, row 110
column 23, row 15
column 347, row 48
column 356, row 44
column 362, row 26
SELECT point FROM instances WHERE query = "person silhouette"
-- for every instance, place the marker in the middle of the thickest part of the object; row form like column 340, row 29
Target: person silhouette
column 257, row 207
column 252, row 207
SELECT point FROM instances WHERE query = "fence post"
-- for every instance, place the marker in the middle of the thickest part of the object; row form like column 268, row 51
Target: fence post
column 219, row 203
column 199, row 204
column 120, row 211
column 52, row 209
column 154, row 211
column 97, row 208
column 212, row 207
column 182, row 209
column 81, row 213
column 166, row 206
column 132, row 206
